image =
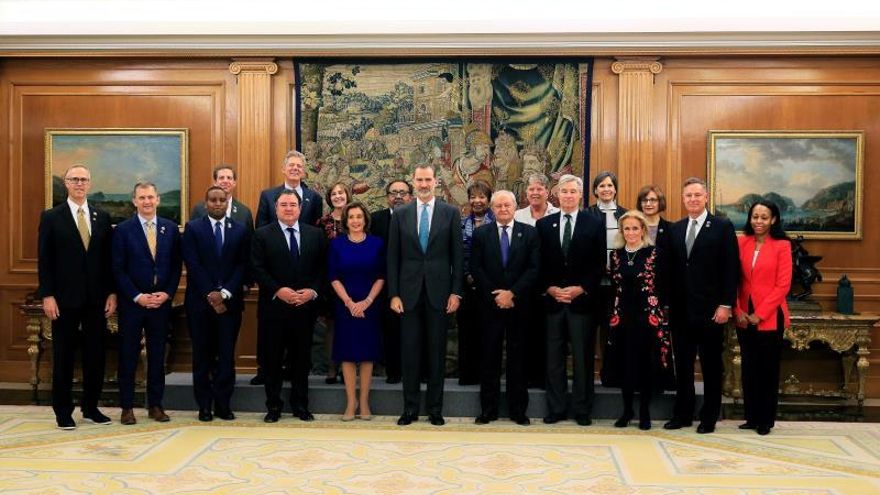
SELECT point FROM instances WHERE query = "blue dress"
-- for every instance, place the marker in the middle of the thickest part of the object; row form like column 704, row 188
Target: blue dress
column 357, row 266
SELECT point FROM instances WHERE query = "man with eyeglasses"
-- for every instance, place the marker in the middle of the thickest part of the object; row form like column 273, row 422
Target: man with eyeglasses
column 398, row 193
column 76, row 285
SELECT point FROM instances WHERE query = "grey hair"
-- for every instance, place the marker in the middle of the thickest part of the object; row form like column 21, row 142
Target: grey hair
column 294, row 153
column 503, row 192
column 539, row 178
column 572, row 178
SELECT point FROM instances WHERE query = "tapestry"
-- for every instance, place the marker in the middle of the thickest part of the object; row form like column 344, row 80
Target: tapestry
column 369, row 123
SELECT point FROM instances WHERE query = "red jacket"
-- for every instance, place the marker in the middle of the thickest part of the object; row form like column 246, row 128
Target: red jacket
column 768, row 283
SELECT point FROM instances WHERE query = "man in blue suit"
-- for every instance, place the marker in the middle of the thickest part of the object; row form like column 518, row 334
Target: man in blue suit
column 216, row 250
column 146, row 265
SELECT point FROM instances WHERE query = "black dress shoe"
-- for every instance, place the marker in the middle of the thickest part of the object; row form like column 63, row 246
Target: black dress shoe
column 704, row 428
column 676, row 424
column 65, row 422
column 623, row 421
column 95, row 416
column 644, row 423
column 304, row 415
column 521, row 419
column 272, row 416
column 407, row 419
column 553, row 418
column 484, row 419
column 205, row 415
column 225, row 414
column 583, row 420
column 258, row 379
column 762, row 430
column 748, row 426
column 436, row 419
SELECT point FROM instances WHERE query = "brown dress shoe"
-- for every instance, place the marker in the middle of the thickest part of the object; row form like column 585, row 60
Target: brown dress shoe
column 158, row 414
column 127, row 417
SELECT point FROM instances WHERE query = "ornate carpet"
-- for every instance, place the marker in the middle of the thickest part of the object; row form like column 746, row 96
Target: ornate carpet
column 246, row 456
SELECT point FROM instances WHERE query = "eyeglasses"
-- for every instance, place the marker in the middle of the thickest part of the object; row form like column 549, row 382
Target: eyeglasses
column 650, row 200
column 400, row 194
column 77, row 180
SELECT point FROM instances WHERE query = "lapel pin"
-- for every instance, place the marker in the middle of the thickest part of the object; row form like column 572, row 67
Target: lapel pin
column 162, row 230
column 555, row 225
column 519, row 234
column 234, row 209
column 708, row 223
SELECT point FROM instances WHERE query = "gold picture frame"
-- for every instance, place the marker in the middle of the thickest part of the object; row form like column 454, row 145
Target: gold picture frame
column 118, row 158
column 815, row 177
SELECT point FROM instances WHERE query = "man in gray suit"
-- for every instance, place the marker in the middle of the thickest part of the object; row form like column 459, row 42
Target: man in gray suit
column 224, row 178
column 425, row 270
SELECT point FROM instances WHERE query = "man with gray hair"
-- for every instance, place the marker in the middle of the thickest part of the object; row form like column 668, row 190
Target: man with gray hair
column 572, row 263
column 505, row 257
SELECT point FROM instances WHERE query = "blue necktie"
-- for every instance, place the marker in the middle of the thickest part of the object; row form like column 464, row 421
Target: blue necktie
column 294, row 247
column 424, row 228
column 218, row 238
column 505, row 246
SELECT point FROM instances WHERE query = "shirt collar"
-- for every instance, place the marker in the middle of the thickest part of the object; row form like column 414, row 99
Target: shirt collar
column 74, row 206
column 284, row 226
column 701, row 219
column 429, row 203
column 143, row 220
column 609, row 206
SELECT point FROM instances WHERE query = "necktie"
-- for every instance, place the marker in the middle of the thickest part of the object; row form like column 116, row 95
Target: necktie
column 691, row 236
column 151, row 238
column 424, row 228
column 294, row 247
column 566, row 235
column 218, row 238
column 83, row 227
column 505, row 245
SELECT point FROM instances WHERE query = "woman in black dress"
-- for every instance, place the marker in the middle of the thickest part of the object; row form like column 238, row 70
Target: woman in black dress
column 638, row 348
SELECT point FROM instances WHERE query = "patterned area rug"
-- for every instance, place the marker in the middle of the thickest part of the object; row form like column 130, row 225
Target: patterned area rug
column 246, row 456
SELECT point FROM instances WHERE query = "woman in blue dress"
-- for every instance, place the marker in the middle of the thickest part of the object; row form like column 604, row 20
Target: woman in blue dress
column 356, row 270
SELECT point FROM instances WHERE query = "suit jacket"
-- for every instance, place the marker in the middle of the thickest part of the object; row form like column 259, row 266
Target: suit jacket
column 273, row 268
column 311, row 210
column 440, row 269
column 240, row 213
column 767, row 283
column 67, row 271
column 594, row 209
column 707, row 279
column 521, row 273
column 206, row 271
column 380, row 222
column 134, row 268
column 584, row 265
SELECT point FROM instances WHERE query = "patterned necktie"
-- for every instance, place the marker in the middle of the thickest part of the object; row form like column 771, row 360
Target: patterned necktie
column 505, row 246
column 424, row 228
column 218, row 238
column 294, row 246
column 691, row 237
column 83, row 227
column 566, row 235
column 151, row 237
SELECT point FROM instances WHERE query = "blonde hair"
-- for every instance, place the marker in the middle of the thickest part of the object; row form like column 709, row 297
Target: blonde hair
column 619, row 241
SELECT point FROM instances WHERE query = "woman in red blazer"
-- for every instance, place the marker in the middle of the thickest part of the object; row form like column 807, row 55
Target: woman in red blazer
column 761, row 311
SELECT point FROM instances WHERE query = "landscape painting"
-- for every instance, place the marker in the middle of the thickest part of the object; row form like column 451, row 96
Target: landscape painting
column 815, row 177
column 118, row 159
column 367, row 123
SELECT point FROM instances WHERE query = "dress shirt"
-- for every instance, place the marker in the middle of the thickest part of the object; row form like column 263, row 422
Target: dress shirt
column 562, row 221
column 296, row 233
column 419, row 206
column 298, row 189
column 143, row 222
column 700, row 221
column 509, row 230
column 225, row 293
column 75, row 207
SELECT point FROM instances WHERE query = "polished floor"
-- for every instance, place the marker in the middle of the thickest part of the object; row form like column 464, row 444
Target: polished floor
column 247, row 456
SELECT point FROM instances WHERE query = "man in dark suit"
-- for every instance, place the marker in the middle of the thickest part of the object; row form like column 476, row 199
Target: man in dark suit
column 425, row 258
column 76, row 285
column 572, row 264
column 398, row 193
column 505, row 257
column 294, row 170
column 216, row 250
column 146, row 264
column 224, row 178
column 704, row 258
column 288, row 259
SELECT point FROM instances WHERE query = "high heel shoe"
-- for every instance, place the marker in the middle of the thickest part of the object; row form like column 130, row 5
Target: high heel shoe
column 365, row 417
column 624, row 420
column 347, row 417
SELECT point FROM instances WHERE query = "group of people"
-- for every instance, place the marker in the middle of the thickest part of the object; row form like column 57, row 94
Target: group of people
column 546, row 280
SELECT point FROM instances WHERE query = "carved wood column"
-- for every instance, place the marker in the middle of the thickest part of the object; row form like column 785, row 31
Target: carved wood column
column 254, row 126
column 634, row 127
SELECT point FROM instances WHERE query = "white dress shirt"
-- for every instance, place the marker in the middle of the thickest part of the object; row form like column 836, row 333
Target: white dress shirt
column 73, row 211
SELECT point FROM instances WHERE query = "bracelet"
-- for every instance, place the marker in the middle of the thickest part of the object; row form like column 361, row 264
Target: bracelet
column 369, row 299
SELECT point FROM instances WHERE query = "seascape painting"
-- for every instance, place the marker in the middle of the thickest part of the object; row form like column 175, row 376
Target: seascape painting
column 815, row 177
